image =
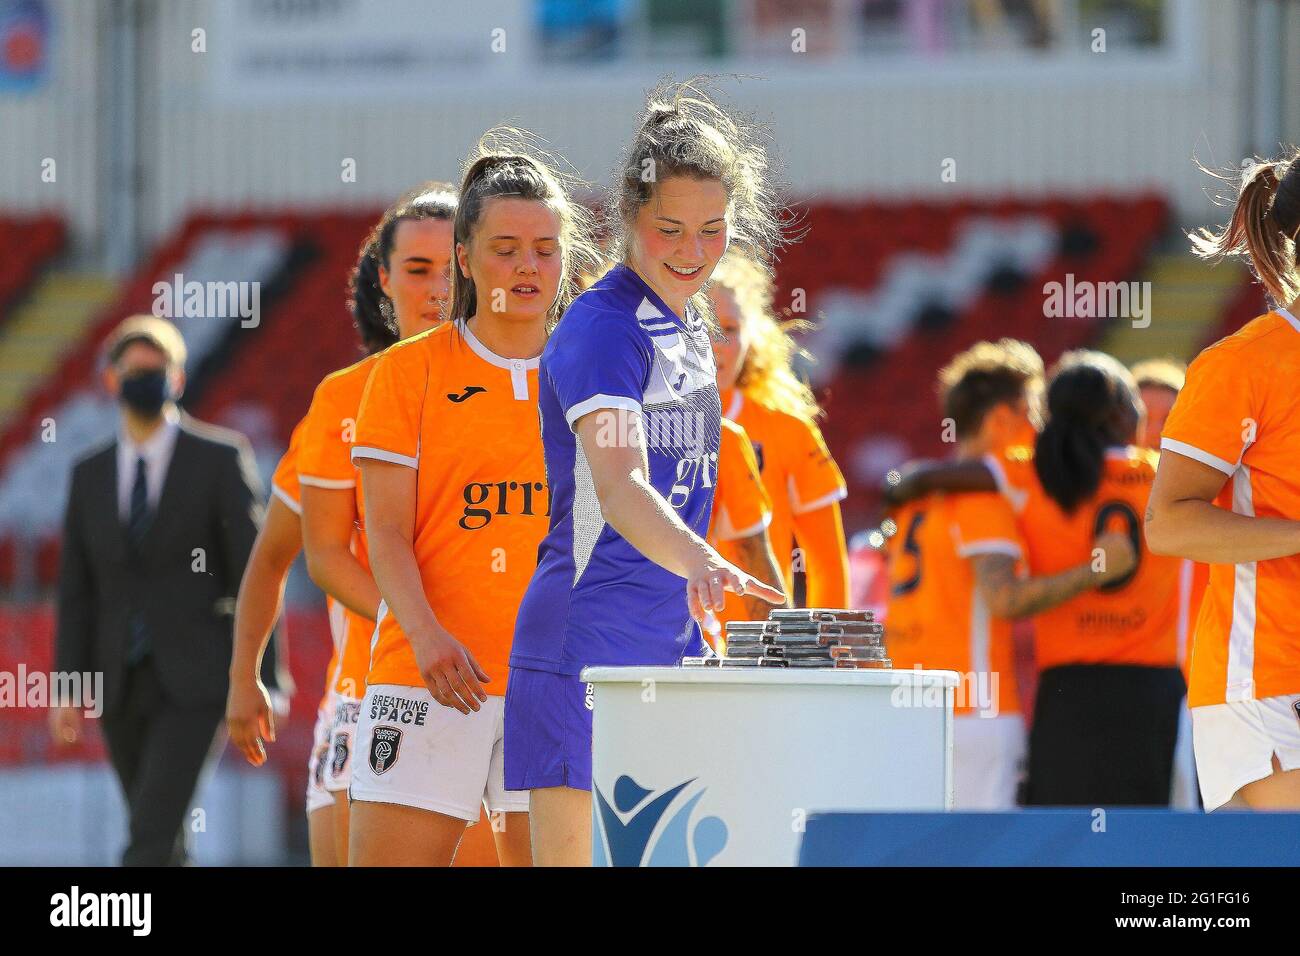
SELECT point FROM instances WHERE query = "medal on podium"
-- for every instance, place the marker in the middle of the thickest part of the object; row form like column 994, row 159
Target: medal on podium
column 803, row 637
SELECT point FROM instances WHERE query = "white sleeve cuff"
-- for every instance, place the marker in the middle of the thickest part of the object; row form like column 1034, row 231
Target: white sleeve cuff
column 331, row 483
column 723, row 530
column 1204, row 457
column 600, row 401
column 284, row 496
column 990, row 546
column 799, row 508
column 361, row 451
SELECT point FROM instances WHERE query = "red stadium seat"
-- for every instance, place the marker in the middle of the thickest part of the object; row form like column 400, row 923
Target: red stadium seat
column 47, row 562
column 8, row 567
column 850, row 246
column 30, row 243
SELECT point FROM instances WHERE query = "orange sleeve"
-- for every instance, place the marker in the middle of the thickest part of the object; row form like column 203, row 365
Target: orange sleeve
column 1014, row 472
column 815, row 479
column 388, row 422
column 1217, row 414
column 325, row 460
column 820, row 537
column 983, row 523
column 741, row 507
column 284, row 483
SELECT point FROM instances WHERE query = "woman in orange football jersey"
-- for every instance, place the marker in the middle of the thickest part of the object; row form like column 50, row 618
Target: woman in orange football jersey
column 250, row 718
column 1159, row 381
column 1106, row 713
column 761, row 392
column 449, row 448
column 742, row 512
column 399, row 288
column 1228, row 493
column 400, row 276
column 1110, row 689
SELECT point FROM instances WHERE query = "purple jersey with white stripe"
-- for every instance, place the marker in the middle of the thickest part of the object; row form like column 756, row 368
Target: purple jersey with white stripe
column 594, row 598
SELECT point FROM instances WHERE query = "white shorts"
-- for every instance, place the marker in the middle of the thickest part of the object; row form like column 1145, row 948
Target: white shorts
column 343, row 733
column 413, row 751
column 1183, row 789
column 988, row 761
column 1235, row 744
column 317, row 796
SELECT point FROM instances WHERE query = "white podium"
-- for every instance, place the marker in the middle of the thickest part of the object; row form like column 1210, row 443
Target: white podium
column 698, row 766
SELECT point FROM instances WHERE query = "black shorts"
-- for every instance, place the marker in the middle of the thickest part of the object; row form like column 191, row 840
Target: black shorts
column 1103, row 735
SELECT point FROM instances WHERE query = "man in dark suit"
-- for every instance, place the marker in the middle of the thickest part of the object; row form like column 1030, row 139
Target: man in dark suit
column 158, row 528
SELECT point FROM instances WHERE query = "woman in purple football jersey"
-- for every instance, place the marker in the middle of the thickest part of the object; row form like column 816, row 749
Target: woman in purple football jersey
column 630, row 427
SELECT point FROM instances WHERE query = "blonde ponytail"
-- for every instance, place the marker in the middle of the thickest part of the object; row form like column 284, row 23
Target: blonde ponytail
column 767, row 375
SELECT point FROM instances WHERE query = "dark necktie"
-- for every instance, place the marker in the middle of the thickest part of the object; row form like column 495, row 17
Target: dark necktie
column 138, row 520
column 137, row 523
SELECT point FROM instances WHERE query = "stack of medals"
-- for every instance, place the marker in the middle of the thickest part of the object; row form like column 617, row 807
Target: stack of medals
column 803, row 637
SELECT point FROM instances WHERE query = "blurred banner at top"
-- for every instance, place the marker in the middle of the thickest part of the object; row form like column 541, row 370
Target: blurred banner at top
column 276, row 50
column 279, row 50
column 24, row 44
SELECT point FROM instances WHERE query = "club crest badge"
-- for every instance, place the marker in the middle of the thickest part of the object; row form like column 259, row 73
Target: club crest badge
column 339, row 762
column 318, row 766
column 384, row 742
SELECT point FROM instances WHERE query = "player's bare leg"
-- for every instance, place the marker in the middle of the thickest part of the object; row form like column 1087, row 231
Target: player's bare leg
column 561, row 826
column 388, row 834
column 320, row 837
column 513, row 839
column 341, row 826
column 1279, row 791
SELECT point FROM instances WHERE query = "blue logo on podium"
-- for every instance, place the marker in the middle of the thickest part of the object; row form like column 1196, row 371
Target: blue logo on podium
column 626, row 830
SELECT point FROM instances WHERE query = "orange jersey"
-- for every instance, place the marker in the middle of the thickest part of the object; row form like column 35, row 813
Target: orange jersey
column 284, row 482
column 1239, row 413
column 466, row 420
column 741, row 506
column 936, row 617
column 798, row 471
column 284, row 485
column 326, row 462
column 1133, row 620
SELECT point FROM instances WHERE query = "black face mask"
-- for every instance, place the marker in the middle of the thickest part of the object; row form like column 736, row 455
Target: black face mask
column 145, row 392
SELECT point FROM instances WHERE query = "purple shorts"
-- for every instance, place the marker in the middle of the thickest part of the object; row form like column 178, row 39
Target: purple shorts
column 547, row 731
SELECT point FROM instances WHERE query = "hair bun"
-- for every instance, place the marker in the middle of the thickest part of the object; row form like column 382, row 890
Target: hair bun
column 1084, row 396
